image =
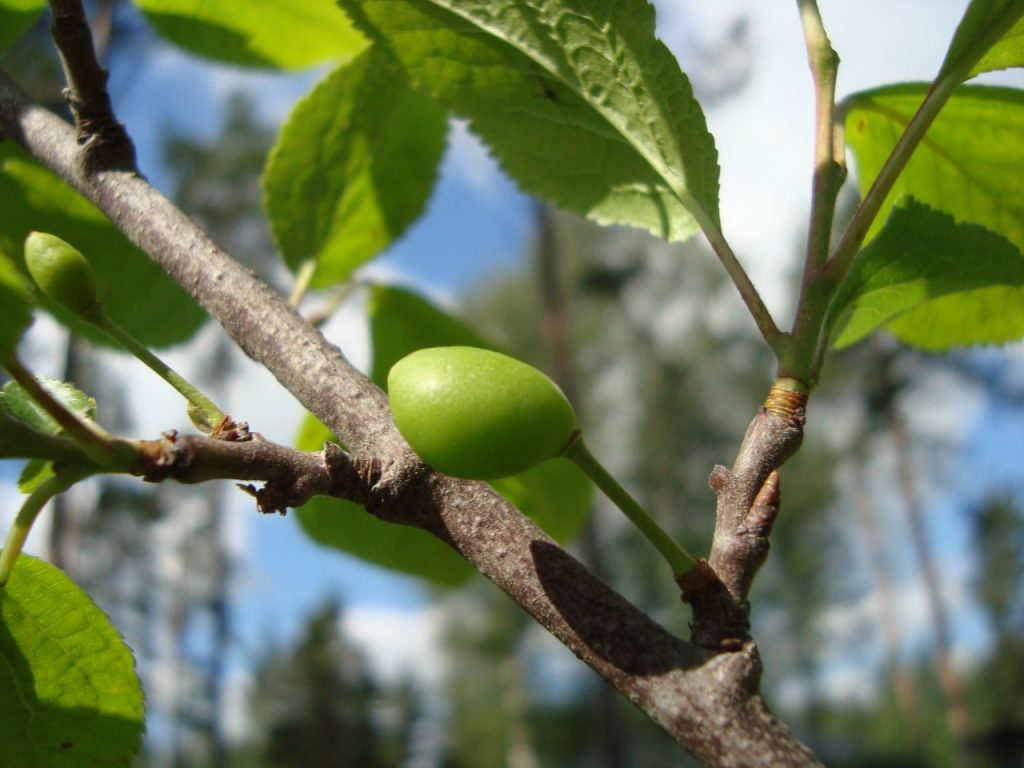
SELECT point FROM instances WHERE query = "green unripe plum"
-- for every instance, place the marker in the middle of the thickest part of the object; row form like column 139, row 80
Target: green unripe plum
column 477, row 414
column 61, row 272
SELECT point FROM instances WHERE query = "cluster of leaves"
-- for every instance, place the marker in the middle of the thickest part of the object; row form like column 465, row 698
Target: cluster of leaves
column 585, row 108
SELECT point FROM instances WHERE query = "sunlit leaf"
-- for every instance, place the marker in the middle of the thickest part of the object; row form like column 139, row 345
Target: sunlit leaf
column 969, row 164
column 923, row 255
column 71, row 696
column 134, row 291
column 256, row 33
column 991, row 32
column 584, row 106
column 1007, row 53
column 353, row 167
column 986, row 316
column 16, row 403
column 34, row 474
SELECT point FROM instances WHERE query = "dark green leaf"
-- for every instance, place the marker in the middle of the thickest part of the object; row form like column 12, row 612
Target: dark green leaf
column 588, row 109
column 350, row 528
column 71, row 696
column 133, row 290
column 922, row 255
column 556, row 494
column 256, row 33
column 15, row 305
column 352, row 168
column 402, row 321
column 16, row 16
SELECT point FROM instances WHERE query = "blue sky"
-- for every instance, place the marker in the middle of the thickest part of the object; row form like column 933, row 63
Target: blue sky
column 477, row 222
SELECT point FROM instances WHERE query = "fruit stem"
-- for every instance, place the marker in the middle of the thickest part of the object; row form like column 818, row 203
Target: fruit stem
column 681, row 562
column 210, row 414
column 23, row 523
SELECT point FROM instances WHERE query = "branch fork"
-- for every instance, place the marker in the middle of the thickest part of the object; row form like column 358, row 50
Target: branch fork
column 105, row 144
column 748, row 503
column 291, row 477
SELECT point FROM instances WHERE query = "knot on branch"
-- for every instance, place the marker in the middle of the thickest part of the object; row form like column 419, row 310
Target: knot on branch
column 160, row 459
column 761, row 517
column 720, row 607
column 270, row 499
column 354, row 477
column 748, row 504
column 398, row 479
column 231, row 430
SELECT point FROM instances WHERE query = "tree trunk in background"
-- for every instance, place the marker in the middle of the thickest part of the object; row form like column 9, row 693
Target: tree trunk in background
column 610, row 736
column 952, row 685
column 888, row 616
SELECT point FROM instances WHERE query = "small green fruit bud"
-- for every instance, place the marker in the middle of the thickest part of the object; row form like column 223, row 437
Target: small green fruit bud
column 478, row 414
column 61, row 272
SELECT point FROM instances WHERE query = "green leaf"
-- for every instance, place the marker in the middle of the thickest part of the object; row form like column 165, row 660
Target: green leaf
column 348, row 527
column 555, row 494
column 588, row 109
column 134, row 291
column 276, row 34
column 352, row 168
column 402, row 321
column 969, row 164
column 986, row 316
column 1005, row 54
column 15, row 305
column 33, row 474
column 70, row 693
column 18, row 403
column 990, row 36
column 16, row 16
column 922, row 255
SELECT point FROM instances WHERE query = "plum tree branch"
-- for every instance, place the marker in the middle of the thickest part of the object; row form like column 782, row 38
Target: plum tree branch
column 708, row 701
column 105, row 143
